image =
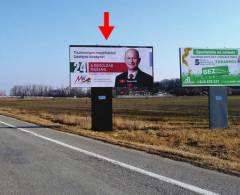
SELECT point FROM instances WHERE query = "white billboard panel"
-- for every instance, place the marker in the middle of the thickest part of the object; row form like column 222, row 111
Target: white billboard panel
column 111, row 66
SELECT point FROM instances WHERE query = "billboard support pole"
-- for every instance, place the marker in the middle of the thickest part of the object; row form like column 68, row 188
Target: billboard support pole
column 218, row 108
column 101, row 98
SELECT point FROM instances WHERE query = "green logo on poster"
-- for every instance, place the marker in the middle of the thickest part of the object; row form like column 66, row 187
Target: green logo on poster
column 215, row 71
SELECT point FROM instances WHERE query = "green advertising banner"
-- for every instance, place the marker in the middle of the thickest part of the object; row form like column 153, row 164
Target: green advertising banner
column 210, row 67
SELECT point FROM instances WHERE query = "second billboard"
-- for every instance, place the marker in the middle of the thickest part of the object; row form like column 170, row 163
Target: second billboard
column 111, row 66
column 210, row 67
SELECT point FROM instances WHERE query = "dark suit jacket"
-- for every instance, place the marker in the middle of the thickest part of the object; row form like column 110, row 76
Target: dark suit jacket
column 142, row 80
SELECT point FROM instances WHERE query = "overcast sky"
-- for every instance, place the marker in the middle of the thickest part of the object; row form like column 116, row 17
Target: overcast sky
column 35, row 34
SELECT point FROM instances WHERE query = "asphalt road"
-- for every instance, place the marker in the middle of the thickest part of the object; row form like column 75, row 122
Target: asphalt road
column 36, row 160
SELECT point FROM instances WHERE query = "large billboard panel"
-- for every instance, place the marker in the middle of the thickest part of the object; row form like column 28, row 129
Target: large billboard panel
column 111, row 66
column 210, row 67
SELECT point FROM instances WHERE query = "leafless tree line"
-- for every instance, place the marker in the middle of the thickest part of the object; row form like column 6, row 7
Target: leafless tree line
column 173, row 86
column 47, row 91
column 2, row 93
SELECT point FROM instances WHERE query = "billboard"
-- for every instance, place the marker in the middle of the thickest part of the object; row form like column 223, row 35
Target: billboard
column 209, row 67
column 111, row 66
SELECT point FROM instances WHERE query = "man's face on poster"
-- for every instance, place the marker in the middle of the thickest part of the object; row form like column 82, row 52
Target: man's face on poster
column 132, row 59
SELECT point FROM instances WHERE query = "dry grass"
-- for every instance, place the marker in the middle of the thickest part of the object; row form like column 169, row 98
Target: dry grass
column 73, row 120
column 174, row 127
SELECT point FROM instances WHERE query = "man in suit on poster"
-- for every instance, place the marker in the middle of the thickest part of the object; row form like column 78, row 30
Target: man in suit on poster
column 134, row 77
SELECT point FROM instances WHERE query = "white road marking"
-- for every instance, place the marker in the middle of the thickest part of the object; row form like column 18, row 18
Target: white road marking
column 121, row 164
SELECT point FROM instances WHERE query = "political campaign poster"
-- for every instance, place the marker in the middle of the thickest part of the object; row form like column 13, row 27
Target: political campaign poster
column 111, row 66
column 210, row 67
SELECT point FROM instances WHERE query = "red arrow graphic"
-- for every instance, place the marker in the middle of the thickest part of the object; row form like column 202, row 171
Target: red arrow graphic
column 106, row 29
